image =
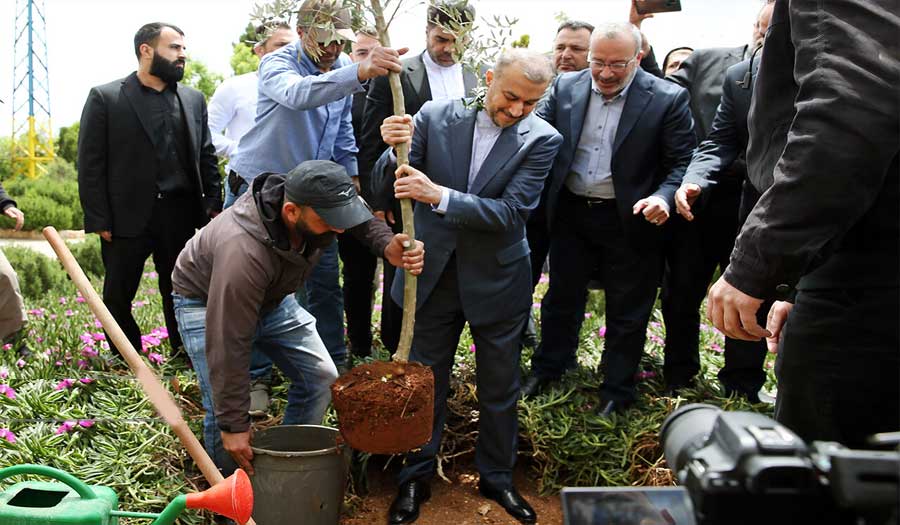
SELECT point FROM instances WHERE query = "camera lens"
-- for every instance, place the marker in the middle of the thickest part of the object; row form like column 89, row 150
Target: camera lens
column 685, row 431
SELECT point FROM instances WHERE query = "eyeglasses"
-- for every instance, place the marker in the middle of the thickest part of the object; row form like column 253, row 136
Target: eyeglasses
column 616, row 67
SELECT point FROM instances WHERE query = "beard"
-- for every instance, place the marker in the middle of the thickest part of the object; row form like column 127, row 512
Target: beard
column 168, row 71
column 314, row 241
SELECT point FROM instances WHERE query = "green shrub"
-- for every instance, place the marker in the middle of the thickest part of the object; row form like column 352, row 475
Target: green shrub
column 38, row 274
column 41, row 211
column 87, row 253
column 49, row 200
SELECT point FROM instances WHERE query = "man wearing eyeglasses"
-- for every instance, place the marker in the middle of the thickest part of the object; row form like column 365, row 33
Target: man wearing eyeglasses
column 627, row 139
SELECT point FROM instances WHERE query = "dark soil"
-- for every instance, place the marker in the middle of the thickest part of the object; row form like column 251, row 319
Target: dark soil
column 385, row 407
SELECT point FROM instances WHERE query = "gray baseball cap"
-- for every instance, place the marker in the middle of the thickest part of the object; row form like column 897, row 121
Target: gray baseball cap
column 325, row 187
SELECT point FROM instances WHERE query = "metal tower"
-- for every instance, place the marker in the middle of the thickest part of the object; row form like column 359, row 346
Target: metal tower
column 32, row 139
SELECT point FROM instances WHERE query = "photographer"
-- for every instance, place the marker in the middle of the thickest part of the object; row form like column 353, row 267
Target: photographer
column 826, row 224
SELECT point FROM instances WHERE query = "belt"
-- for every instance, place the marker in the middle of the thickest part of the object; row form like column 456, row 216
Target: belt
column 590, row 202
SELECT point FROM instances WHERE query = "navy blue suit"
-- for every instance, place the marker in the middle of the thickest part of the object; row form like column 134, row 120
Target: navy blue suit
column 476, row 269
column 651, row 149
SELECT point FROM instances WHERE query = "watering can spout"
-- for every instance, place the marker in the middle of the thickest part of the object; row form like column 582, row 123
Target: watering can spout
column 233, row 498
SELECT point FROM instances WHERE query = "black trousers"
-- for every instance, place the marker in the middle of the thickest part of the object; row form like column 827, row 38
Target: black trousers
column 358, row 272
column 538, row 236
column 439, row 323
column 693, row 251
column 169, row 229
column 585, row 236
column 838, row 366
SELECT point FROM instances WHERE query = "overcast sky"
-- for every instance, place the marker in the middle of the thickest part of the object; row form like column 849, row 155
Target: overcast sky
column 90, row 41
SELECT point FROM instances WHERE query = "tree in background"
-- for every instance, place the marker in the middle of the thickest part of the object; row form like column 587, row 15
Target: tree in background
column 243, row 59
column 67, row 143
column 199, row 77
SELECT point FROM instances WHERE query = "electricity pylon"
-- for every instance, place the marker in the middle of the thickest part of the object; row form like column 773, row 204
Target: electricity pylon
column 32, row 138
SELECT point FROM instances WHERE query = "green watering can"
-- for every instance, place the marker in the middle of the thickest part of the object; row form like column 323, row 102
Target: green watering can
column 72, row 502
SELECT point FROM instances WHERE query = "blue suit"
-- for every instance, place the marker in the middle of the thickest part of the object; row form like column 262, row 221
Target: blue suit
column 650, row 151
column 476, row 269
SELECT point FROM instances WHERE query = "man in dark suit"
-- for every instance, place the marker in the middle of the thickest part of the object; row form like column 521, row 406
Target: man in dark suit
column 433, row 75
column 824, row 153
column 147, row 172
column 693, row 250
column 627, row 139
column 475, row 175
column 358, row 268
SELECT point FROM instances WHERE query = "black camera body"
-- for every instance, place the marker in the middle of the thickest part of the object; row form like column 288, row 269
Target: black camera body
column 744, row 467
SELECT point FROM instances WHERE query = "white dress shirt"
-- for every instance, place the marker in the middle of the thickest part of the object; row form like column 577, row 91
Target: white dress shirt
column 483, row 140
column 232, row 112
column 444, row 81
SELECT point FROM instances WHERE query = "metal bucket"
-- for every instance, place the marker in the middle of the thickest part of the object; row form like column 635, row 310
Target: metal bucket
column 300, row 475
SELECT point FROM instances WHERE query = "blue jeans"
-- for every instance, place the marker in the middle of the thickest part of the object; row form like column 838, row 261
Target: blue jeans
column 322, row 297
column 287, row 335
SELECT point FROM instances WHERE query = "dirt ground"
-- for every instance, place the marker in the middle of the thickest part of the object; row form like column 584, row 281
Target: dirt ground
column 458, row 503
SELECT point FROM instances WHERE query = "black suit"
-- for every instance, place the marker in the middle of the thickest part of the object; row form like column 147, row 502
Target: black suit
column 693, row 250
column 711, row 165
column 379, row 106
column 118, row 177
column 586, row 234
column 359, row 263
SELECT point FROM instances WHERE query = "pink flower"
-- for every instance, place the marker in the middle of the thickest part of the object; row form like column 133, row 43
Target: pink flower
column 20, row 363
column 716, row 348
column 588, row 315
column 544, row 278
column 7, row 391
column 536, row 306
column 156, row 358
column 86, row 339
column 52, row 317
column 64, row 384
column 69, row 313
column 7, row 346
column 646, row 374
column 377, row 307
column 161, row 332
column 37, row 312
column 62, row 300
column 601, row 332
column 87, row 351
column 4, row 372
column 104, row 345
column 472, row 347
column 99, row 336
column 8, row 435
column 86, row 423
column 86, row 380
column 82, row 364
column 97, row 323
column 67, row 426
column 79, row 299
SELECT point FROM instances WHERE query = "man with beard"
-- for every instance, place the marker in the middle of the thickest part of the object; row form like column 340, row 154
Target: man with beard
column 304, row 112
column 147, row 173
column 234, row 285
column 628, row 138
column 482, row 170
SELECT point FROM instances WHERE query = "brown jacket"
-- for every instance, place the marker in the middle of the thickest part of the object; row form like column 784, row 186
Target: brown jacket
column 242, row 265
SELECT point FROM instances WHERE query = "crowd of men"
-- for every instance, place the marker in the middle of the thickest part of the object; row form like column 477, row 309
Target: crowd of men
column 630, row 177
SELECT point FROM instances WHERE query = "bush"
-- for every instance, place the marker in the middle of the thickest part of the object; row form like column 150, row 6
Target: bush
column 87, row 253
column 38, row 274
column 50, row 200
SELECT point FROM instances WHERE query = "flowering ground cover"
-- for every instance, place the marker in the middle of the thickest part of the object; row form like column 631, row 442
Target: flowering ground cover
column 67, row 402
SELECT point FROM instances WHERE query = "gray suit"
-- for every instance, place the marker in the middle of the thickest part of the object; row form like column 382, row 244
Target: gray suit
column 476, row 269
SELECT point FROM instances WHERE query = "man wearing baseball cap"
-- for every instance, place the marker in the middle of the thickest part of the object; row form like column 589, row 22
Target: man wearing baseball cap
column 234, row 283
column 304, row 113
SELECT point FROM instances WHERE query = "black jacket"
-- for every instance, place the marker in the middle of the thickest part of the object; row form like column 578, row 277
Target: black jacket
column 824, row 148
column 118, row 166
column 5, row 200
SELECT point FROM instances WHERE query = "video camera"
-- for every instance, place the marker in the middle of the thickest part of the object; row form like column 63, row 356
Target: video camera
column 740, row 468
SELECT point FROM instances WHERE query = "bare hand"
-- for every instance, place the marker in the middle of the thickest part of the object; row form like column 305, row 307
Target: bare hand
column 15, row 213
column 778, row 315
column 356, row 183
column 380, row 62
column 106, row 235
column 413, row 184
column 684, row 198
column 636, row 18
column 398, row 252
column 397, row 130
column 238, row 445
column 654, row 208
column 734, row 312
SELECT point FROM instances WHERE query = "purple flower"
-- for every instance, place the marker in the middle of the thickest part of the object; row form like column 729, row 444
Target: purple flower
column 87, row 351
column 62, row 300
column 588, row 315
column 4, row 372
column 657, row 339
column 8, row 435
column 87, row 339
column 377, row 307
column 536, row 306
column 67, row 426
column 99, row 336
column 544, row 278
column 716, row 348
column 20, row 363
column 82, row 364
column 86, row 380
column 69, row 313
column 161, row 332
column 7, row 391
column 156, row 358
column 601, row 332
column 86, row 423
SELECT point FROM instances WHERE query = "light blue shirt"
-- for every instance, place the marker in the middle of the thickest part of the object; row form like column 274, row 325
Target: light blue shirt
column 302, row 114
column 591, row 172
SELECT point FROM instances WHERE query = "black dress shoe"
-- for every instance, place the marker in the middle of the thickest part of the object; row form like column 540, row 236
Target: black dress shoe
column 529, row 338
column 511, row 501
column 533, row 385
column 608, row 408
column 405, row 508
